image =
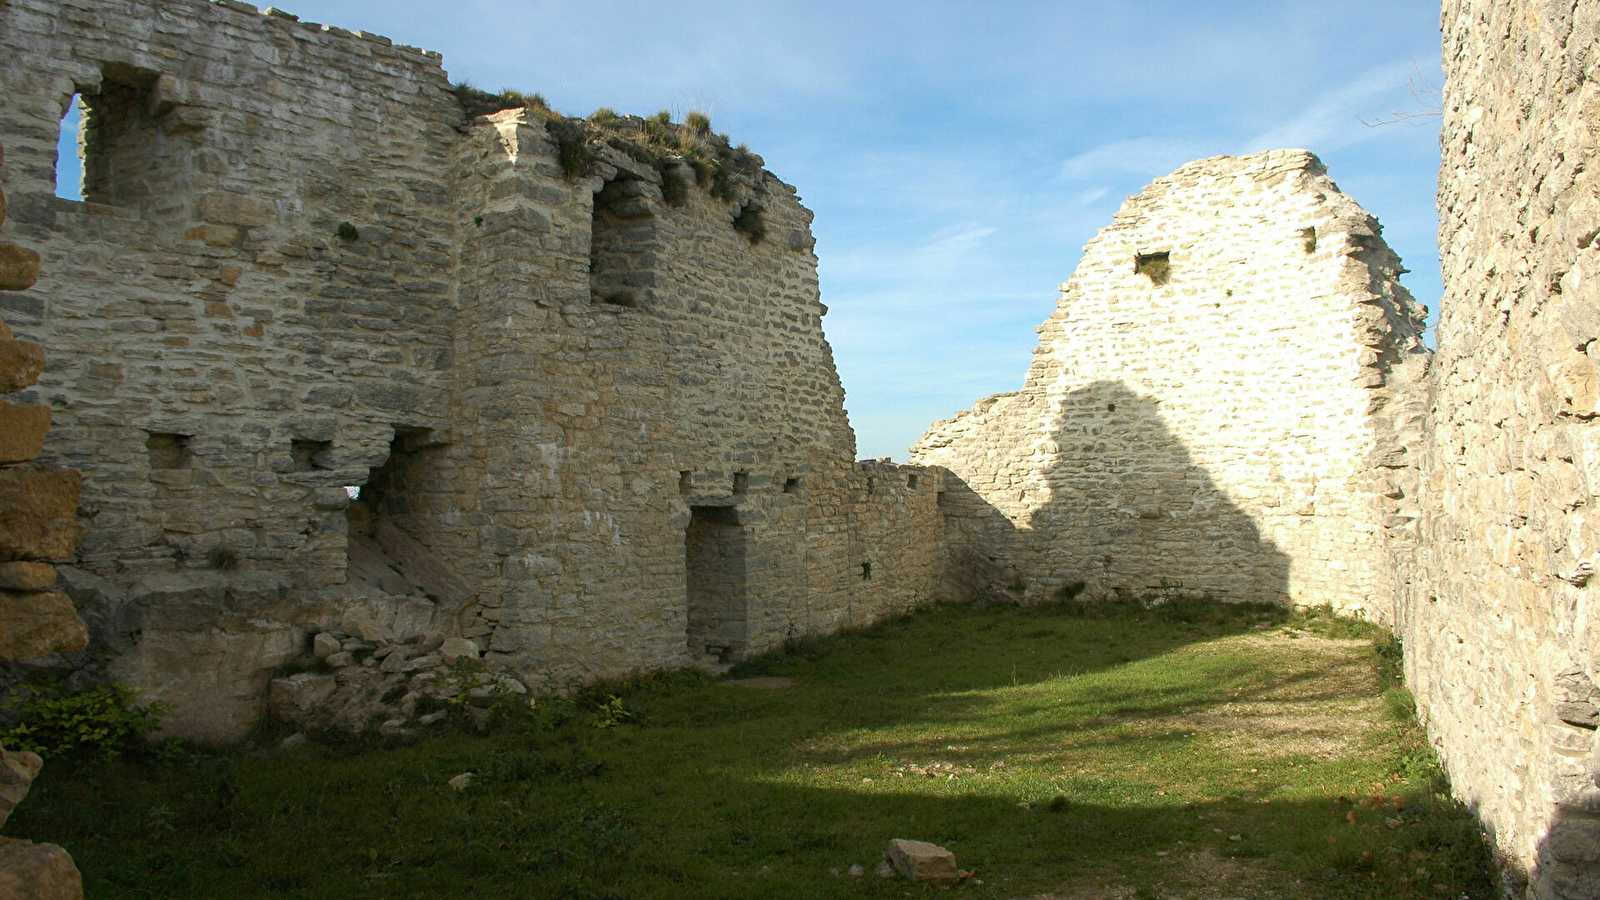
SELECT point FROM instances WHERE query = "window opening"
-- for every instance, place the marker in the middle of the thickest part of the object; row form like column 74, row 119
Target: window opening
column 125, row 155
column 1155, row 266
column 685, row 481
column 911, row 481
column 169, row 451
column 310, row 455
column 622, row 238
column 69, row 159
column 866, row 571
column 741, row 480
column 792, row 485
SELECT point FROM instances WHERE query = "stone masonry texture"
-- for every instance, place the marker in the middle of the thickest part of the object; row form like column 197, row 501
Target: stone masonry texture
column 299, row 269
column 1501, row 638
column 1219, row 405
column 356, row 371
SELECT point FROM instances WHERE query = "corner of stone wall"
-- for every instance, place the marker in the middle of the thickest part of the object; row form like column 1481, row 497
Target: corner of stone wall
column 38, row 522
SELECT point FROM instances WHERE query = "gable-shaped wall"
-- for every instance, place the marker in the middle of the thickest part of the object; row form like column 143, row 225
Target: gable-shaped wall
column 1212, row 408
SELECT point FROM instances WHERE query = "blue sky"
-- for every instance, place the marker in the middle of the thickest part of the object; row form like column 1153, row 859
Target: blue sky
column 959, row 155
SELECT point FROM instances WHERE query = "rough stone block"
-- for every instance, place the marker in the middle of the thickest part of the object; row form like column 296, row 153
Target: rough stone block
column 300, row 693
column 458, row 648
column 38, row 510
column 22, row 430
column 17, row 771
column 30, row 871
column 213, row 235
column 922, row 861
column 2, row 206
column 39, row 623
column 324, row 645
column 19, row 267
column 236, row 209
column 20, row 364
column 26, row 576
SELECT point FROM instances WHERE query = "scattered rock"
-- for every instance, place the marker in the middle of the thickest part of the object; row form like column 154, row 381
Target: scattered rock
column 297, row 739
column 922, row 861
column 30, row 871
column 461, row 781
column 884, row 869
column 456, row 648
column 857, row 870
column 17, row 770
column 325, row 645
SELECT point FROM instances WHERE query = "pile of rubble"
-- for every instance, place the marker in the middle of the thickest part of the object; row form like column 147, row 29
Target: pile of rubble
column 358, row 679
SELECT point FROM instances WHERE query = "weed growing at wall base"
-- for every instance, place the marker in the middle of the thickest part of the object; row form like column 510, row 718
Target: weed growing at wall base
column 48, row 719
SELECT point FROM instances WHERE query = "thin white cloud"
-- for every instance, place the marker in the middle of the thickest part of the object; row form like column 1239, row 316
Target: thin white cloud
column 1334, row 118
column 1143, row 157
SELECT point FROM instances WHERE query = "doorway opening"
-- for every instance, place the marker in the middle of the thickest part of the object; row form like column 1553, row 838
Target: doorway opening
column 719, row 605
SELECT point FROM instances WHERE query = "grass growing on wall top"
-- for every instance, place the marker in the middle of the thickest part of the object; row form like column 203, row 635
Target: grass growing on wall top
column 1072, row 749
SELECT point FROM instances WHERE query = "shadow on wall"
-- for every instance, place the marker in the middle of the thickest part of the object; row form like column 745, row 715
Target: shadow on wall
column 1117, row 506
column 1568, row 857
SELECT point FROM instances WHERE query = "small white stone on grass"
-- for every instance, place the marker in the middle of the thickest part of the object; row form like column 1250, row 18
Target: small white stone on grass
column 461, row 781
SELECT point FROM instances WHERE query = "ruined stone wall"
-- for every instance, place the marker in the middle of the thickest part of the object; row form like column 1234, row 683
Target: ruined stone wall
column 1500, row 631
column 38, row 513
column 300, row 269
column 1210, row 407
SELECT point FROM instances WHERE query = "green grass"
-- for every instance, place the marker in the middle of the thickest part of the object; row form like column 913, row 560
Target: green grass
column 1188, row 751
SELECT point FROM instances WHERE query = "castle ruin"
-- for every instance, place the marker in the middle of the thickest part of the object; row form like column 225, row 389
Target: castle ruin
column 342, row 355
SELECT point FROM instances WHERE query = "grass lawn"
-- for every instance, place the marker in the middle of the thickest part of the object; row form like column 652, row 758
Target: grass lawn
column 1059, row 751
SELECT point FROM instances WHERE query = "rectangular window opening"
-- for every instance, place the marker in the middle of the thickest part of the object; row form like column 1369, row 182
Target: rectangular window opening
column 911, row 481
column 866, row 571
column 1155, row 266
column 685, row 481
column 792, row 485
column 310, row 455
column 169, row 451
column 741, row 480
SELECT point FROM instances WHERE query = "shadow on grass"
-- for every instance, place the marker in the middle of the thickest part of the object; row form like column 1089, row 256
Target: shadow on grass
column 1071, row 755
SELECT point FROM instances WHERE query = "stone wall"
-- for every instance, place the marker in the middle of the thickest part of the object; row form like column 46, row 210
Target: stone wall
column 1219, row 405
column 38, row 511
column 1501, row 639
column 301, row 269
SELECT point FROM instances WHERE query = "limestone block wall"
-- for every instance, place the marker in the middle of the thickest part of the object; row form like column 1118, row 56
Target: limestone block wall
column 1499, row 629
column 300, row 269
column 38, row 507
column 1212, row 407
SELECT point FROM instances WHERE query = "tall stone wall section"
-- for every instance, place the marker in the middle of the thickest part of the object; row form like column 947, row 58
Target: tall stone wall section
column 1501, row 638
column 38, row 512
column 1219, row 404
column 300, row 269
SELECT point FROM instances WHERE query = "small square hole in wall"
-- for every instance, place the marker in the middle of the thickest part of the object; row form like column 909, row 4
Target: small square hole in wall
column 911, row 481
column 866, row 571
column 792, row 485
column 1308, row 239
column 741, row 480
column 168, row 451
column 1155, row 266
column 685, row 481
column 310, row 455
